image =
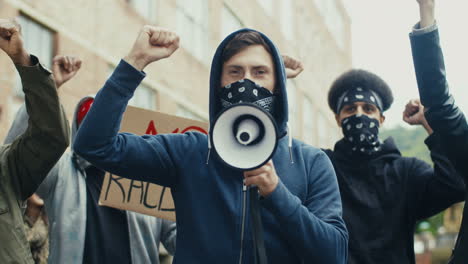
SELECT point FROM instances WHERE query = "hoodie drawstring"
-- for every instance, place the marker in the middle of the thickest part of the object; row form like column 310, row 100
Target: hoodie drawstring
column 290, row 142
column 209, row 150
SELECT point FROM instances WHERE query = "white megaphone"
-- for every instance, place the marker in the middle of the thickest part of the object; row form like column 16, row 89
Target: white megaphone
column 244, row 136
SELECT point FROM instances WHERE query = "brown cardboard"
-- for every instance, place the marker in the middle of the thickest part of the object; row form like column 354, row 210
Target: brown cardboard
column 143, row 197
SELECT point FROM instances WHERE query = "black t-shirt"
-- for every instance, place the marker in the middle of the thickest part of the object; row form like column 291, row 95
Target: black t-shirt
column 107, row 239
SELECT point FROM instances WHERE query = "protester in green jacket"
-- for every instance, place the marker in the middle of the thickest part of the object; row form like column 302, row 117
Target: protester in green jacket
column 26, row 161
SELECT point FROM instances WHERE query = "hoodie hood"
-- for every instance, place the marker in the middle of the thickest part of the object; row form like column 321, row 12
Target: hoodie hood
column 79, row 161
column 19, row 126
column 281, row 115
column 74, row 126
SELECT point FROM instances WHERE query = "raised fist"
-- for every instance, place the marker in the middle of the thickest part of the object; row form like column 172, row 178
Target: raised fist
column 11, row 42
column 152, row 44
column 293, row 67
column 64, row 68
column 414, row 113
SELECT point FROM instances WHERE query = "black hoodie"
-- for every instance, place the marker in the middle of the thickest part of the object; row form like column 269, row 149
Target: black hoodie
column 385, row 194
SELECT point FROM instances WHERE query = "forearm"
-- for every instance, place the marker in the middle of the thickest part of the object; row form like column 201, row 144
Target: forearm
column 442, row 114
column 47, row 136
column 316, row 240
column 427, row 127
column 429, row 68
column 97, row 140
column 427, row 14
column 436, row 188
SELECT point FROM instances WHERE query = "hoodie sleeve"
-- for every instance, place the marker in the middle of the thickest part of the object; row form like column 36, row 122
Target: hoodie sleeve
column 169, row 235
column 315, row 227
column 124, row 154
column 444, row 117
column 33, row 154
column 434, row 189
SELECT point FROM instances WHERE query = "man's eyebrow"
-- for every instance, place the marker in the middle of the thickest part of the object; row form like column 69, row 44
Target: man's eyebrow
column 234, row 66
column 262, row 66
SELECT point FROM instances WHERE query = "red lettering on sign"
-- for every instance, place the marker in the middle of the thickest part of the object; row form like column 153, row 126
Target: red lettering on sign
column 199, row 129
column 151, row 130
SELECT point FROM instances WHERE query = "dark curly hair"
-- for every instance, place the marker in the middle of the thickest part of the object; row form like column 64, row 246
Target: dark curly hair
column 359, row 78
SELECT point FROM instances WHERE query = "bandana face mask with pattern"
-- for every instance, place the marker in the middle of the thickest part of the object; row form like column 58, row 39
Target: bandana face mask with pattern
column 246, row 91
column 362, row 132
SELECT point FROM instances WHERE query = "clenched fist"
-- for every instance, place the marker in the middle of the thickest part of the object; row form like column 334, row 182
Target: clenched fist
column 265, row 178
column 293, row 67
column 11, row 42
column 152, row 44
column 64, row 68
column 414, row 114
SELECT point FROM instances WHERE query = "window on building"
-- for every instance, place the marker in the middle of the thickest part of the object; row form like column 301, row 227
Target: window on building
column 146, row 8
column 144, row 97
column 333, row 19
column 267, row 6
column 192, row 25
column 287, row 18
column 230, row 22
column 39, row 41
column 292, row 108
column 309, row 130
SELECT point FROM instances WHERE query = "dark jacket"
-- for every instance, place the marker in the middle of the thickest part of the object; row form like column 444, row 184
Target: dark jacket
column 385, row 195
column 443, row 115
column 301, row 218
column 26, row 162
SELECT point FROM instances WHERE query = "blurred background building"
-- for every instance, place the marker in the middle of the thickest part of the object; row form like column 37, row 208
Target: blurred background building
column 102, row 32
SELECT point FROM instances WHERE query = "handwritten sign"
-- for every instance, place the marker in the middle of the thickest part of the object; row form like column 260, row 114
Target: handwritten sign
column 138, row 196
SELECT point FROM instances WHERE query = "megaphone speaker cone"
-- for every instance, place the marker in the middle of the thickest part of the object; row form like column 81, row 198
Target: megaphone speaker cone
column 244, row 136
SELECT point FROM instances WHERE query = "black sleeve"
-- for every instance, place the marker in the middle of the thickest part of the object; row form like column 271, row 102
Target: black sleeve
column 442, row 114
column 435, row 189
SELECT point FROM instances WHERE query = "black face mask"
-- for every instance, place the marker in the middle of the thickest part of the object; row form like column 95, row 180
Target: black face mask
column 246, row 91
column 362, row 132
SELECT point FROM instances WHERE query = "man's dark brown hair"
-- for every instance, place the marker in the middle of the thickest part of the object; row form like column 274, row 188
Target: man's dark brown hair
column 241, row 41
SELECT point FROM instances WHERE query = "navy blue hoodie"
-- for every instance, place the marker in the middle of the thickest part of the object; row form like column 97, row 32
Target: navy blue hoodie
column 302, row 218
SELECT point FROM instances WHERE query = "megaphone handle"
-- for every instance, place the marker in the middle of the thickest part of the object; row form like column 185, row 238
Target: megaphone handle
column 258, row 240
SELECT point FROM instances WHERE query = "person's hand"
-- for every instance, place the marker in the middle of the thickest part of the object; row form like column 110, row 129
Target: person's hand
column 11, row 42
column 152, row 44
column 64, row 68
column 293, row 67
column 265, row 178
column 426, row 13
column 414, row 114
column 34, row 208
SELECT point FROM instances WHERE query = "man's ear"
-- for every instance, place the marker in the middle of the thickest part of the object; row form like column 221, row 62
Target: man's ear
column 382, row 119
column 337, row 118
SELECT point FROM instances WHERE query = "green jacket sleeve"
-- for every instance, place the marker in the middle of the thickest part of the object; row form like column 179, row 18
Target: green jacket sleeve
column 31, row 156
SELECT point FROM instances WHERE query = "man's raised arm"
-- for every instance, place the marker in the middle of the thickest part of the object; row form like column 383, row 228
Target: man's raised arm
column 98, row 140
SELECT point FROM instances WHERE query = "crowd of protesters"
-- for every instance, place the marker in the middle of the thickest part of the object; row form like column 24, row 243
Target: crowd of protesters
column 357, row 203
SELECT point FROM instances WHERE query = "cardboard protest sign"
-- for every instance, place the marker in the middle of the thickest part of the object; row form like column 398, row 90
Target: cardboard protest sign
column 143, row 197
